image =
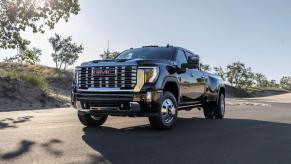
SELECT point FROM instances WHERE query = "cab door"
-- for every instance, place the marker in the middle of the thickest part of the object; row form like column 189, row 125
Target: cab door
column 198, row 87
column 187, row 82
column 198, row 80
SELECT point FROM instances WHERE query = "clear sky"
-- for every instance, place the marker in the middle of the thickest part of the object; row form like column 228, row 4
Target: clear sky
column 256, row 32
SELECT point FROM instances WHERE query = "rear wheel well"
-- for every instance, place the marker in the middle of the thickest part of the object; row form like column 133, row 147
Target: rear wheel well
column 173, row 88
column 222, row 91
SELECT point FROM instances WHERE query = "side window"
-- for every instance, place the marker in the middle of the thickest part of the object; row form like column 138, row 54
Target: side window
column 181, row 57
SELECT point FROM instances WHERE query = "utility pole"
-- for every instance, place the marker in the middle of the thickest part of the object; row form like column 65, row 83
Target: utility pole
column 107, row 51
column 108, row 47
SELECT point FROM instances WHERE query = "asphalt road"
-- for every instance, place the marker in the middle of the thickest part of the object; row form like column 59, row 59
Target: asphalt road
column 248, row 135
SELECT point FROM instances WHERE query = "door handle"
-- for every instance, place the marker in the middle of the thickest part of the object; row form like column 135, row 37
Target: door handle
column 192, row 75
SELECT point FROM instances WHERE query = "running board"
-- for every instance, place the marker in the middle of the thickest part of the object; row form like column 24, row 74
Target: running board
column 189, row 106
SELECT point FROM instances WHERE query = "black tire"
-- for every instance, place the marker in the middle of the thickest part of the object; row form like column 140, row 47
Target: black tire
column 91, row 121
column 168, row 115
column 208, row 110
column 219, row 110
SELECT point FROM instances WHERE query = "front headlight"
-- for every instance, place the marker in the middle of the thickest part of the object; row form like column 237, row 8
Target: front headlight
column 150, row 74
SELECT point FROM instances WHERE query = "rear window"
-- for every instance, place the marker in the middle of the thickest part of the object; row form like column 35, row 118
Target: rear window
column 148, row 53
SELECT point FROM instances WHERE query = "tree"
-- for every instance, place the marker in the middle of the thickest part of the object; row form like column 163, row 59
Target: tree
column 27, row 56
column 109, row 55
column 273, row 83
column 261, row 80
column 239, row 76
column 285, row 82
column 234, row 73
column 18, row 15
column 220, row 72
column 66, row 52
column 247, row 79
column 205, row 67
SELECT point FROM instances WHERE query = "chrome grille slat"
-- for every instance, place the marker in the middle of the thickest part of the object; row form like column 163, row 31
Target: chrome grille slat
column 122, row 77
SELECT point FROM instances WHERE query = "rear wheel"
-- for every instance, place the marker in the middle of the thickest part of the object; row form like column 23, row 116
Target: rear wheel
column 215, row 110
column 91, row 121
column 208, row 110
column 220, row 107
column 168, row 113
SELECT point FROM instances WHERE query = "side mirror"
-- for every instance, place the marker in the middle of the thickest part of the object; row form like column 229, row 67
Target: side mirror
column 184, row 65
column 193, row 62
column 183, row 68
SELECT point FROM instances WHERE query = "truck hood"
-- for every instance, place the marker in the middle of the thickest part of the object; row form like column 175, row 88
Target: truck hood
column 124, row 62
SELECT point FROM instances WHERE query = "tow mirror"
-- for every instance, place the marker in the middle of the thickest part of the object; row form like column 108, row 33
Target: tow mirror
column 183, row 68
column 184, row 65
column 193, row 62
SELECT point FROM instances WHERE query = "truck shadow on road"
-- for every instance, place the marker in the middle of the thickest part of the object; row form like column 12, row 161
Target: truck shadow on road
column 194, row 140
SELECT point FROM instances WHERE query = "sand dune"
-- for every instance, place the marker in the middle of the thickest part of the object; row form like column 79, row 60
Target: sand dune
column 283, row 98
column 260, row 101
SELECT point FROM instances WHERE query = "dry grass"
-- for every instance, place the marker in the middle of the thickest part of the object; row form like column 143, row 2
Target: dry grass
column 38, row 70
column 53, row 77
column 34, row 80
column 39, row 76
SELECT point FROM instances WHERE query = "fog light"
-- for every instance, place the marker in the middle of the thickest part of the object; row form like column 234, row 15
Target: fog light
column 149, row 97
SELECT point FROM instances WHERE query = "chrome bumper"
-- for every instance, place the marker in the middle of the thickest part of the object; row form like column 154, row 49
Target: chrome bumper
column 134, row 108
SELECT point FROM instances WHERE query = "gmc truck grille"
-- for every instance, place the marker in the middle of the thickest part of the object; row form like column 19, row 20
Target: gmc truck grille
column 122, row 77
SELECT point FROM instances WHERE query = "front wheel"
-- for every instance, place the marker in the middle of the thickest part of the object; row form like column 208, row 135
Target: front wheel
column 91, row 121
column 168, row 113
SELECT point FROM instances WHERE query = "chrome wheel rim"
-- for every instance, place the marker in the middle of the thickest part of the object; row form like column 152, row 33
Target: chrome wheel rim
column 96, row 117
column 168, row 111
column 222, row 104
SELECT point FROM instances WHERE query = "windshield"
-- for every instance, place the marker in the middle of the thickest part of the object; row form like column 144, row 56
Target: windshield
column 148, row 53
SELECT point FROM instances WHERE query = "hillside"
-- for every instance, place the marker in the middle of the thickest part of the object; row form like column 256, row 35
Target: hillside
column 56, row 79
column 15, row 94
column 31, row 86
column 232, row 92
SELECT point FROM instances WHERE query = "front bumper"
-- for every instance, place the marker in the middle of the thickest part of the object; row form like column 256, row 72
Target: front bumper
column 118, row 103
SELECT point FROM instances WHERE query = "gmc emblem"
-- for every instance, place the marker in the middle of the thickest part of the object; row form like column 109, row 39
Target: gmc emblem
column 103, row 72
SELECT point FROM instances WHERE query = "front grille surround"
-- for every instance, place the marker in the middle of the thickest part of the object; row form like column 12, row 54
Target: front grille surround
column 119, row 77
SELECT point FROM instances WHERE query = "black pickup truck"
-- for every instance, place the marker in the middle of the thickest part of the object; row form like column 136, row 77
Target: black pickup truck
column 154, row 82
